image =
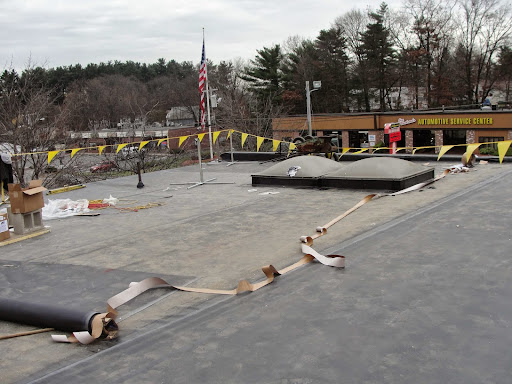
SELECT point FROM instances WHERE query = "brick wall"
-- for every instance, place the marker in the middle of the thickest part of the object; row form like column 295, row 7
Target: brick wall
column 409, row 138
column 439, row 138
column 470, row 136
column 344, row 139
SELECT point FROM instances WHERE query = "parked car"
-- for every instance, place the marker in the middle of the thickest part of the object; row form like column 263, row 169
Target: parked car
column 104, row 166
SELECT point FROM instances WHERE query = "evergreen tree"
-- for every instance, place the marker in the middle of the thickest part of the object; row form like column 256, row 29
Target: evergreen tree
column 378, row 52
column 333, row 65
column 265, row 75
column 301, row 65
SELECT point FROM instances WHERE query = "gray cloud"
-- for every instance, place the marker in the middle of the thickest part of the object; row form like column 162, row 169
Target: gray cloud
column 55, row 33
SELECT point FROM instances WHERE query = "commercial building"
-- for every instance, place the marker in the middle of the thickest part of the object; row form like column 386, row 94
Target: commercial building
column 418, row 129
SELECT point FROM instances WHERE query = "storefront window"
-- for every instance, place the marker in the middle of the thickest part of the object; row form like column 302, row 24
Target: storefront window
column 490, row 139
column 454, row 136
column 424, row 138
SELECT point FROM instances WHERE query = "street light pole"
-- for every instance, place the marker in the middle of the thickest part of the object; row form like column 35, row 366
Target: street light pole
column 316, row 87
column 308, row 106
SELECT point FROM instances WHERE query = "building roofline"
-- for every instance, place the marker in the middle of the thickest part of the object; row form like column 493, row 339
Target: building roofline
column 401, row 113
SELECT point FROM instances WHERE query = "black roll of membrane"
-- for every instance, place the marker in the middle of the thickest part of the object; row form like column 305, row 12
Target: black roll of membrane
column 46, row 316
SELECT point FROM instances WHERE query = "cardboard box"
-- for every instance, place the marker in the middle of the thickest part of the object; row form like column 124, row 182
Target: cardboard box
column 4, row 227
column 29, row 199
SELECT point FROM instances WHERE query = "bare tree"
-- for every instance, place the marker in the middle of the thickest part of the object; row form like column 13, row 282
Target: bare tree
column 233, row 111
column 102, row 102
column 484, row 26
column 354, row 23
column 30, row 120
column 431, row 26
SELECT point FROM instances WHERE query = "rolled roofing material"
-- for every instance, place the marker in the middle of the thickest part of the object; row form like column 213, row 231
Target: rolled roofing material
column 310, row 166
column 42, row 315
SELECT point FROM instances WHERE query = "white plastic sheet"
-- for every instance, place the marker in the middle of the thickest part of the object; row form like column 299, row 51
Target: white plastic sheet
column 61, row 208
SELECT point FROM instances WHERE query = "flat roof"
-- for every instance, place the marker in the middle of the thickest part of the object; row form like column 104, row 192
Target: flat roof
column 424, row 296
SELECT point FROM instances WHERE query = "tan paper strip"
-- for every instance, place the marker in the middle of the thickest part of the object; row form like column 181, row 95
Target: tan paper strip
column 322, row 230
column 135, row 289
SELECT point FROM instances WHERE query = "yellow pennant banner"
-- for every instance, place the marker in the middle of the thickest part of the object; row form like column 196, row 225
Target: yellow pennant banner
column 51, row 155
column 444, row 149
column 470, row 149
column 74, row 151
column 182, row 139
column 259, row 141
column 503, row 148
column 291, row 148
column 244, row 137
column 120, row 146
column 215, row 136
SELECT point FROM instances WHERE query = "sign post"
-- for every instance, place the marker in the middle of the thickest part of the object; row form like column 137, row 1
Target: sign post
column 393, row 130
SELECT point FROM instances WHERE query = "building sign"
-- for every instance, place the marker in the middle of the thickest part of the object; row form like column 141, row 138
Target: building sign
column 395, row 136
column 406, row 122
column 389, row 127
column 457, row 121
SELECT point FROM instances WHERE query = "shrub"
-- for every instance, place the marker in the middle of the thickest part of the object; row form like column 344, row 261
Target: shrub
column 488, row 150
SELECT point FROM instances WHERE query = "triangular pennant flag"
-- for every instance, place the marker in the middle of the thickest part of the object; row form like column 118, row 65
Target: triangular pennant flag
column 362, row 150
column 344, row 150
column 291, row 148
column 229, row 133
column 142, row 144
column 200, row 136
column 275, row 145
column 51, row 155
column 379, row 148
column 444, row 149
column 259, row 141
column 244, row 137
column 161, row 141
column 503, row 148
column 415, row 149
column 215, row 136
column 470, row 149
column 121, row 146
column 182, row 139
column 74, row 151
column 101, row 148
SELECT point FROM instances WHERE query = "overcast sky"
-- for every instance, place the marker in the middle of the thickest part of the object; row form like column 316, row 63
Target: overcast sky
column 66, row 32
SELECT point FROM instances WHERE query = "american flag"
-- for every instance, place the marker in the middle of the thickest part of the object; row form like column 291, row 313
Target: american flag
column 202, row 82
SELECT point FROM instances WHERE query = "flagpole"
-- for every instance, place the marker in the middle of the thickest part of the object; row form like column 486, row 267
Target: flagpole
column 208, row 107
column 209, row 119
